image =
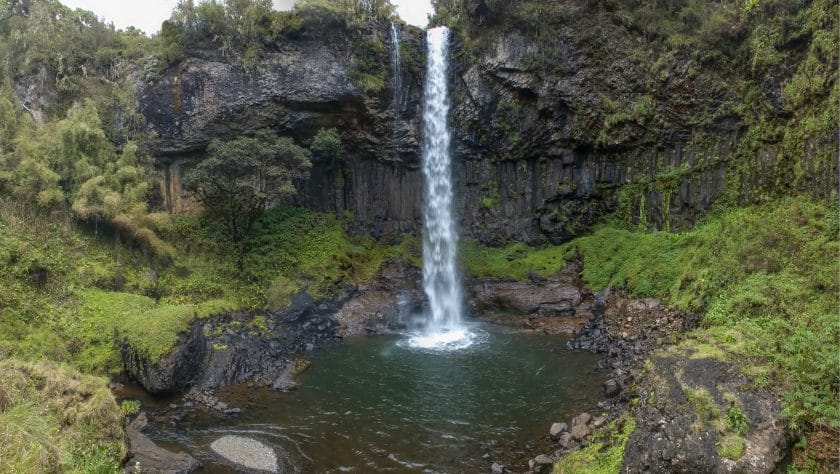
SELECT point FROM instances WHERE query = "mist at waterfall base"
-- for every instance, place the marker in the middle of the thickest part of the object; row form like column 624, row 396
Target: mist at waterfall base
column 444, row 329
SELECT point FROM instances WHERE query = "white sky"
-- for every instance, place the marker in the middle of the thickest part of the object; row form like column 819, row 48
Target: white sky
column 149, row 14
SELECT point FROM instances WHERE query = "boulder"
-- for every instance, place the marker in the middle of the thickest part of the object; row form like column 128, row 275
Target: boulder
column 565, row 440
column 543, row 459
column 497, row 468
column 556, row 429
column 580, row 431
column 246, row 452
column 581, row 419
column 611, row 388
column 145, row 456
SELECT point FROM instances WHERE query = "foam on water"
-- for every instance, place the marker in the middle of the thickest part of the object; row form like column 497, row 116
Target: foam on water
column 443, row 340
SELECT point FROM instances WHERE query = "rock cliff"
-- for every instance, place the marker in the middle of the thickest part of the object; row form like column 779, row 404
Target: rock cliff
column 548, row 138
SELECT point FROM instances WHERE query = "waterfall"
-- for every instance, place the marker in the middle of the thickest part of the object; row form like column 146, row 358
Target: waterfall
column 395, row 63
column 440, row 240
column 397, row 83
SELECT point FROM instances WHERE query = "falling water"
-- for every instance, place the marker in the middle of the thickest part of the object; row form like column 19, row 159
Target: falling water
column 440, row 241
column 397, row 79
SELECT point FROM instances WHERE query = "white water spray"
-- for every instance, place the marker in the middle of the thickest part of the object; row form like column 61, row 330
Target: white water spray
column 440, row 240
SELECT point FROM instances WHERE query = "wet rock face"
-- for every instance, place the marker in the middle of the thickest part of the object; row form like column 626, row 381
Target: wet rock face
column 302, row 85
column 380, row 306
column 527, row 165
column 557, row 304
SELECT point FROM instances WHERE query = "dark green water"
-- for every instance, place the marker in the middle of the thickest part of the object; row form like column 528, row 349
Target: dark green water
column 370, row 405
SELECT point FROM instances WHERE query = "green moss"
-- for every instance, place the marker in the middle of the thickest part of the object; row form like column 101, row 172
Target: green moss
column 731, row 446
column 258, row 325
column 599, row 457
column 706, row 411
column 491, row 199
column 646, row 264
column 701, row 350
column 514, row 261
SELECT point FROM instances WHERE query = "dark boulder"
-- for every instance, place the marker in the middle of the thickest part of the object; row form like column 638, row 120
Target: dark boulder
column 611, row 388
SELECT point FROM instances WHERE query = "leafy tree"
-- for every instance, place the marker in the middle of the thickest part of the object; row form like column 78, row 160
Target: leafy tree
column 327, row 145
column 72, row 164
column 241, row 177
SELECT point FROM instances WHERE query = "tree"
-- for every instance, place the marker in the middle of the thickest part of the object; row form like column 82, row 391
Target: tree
column 241, row 177
column 327, row 145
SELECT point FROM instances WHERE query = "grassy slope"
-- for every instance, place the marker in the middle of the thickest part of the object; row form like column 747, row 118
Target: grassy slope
column 765, row 276
column 66, row 292
column 53, row 419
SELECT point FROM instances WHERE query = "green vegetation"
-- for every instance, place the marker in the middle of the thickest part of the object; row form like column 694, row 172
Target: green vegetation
column 66, row 293
column 53, row 419
column 239, row 178
column 247, row 28
column 514, row 261
column 369, row 70
column 601, row 457
column 326, row 145
column 130, row 407
column 731, row 446
column 685, row 74
column 765, row 276
column 507, row 117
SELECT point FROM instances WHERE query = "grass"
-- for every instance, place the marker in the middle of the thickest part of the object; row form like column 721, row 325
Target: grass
column 69, row 295
column 54, row 419
column 731, row 446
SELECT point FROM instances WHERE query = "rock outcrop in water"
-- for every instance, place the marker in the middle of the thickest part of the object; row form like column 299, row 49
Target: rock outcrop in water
column 235, row 348
column 146, row 457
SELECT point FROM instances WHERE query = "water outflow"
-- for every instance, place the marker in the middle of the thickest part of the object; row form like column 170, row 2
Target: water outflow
column 440, row 240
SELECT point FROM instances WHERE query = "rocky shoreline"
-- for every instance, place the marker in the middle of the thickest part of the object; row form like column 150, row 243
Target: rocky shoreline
column 693, row 409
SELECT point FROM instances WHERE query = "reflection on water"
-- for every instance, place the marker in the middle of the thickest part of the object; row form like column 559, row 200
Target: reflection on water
column 375, row 404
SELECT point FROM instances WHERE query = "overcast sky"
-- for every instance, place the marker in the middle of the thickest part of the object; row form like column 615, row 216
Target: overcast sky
column 148, row 14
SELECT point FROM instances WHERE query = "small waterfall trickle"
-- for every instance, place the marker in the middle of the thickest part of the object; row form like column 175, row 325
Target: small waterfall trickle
column 441, row 282
column 397, row 83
